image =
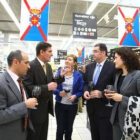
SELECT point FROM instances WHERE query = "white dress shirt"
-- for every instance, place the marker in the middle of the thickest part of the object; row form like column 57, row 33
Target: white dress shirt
column 15, row 78
column 102, row 64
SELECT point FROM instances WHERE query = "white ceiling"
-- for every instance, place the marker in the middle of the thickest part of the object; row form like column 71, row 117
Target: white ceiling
column 60, row 23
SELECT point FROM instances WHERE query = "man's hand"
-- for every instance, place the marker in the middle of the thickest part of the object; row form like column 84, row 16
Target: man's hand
column 96, row 94
column 31, row 102
column 52, row 86
column 63, row 94
column 86, row 95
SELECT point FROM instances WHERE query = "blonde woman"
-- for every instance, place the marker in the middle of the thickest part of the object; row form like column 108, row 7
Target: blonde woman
column 67, row 95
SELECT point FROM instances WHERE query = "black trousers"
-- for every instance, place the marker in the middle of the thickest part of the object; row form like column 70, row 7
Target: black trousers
column 65, row 115
column 101, row 128
column 41, row 131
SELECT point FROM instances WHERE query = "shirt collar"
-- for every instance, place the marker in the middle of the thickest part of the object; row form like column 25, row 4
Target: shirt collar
column 42, row 63
column 13, row 75
column 71, row 74
column 102, row 63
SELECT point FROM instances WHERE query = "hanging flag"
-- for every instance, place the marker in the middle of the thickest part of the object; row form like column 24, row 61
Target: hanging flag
column 128, row 26
column 81, row 54
column 34, row 20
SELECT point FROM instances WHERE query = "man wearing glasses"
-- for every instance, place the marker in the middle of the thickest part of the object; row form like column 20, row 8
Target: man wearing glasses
column 100, row 73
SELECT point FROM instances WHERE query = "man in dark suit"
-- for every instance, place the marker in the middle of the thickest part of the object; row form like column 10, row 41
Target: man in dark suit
column 13, row 107
column 101, row 72
column 41, row 76
column 82, row 71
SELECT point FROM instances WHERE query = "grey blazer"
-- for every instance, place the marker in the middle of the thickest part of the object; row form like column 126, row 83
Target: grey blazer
column 12, row 110
column 129, row 87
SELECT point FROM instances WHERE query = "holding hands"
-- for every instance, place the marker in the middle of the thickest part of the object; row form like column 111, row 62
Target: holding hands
column 92, row 94
column 70, row 98
column 95, row 94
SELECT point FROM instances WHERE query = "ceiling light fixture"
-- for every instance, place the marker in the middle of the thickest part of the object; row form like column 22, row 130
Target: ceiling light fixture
column 10, row 12
column 106, row 18
column 68, row 43
column 115, row 17
column 109, row 11
column 63, row 17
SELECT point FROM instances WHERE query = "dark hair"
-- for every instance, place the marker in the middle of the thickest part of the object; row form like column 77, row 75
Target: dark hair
column 74, row 58
column 14, row 55
column 130, row 58
column 102, row 47
column 42, row 46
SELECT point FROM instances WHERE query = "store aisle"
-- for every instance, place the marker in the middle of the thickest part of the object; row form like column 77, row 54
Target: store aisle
column 80, row 131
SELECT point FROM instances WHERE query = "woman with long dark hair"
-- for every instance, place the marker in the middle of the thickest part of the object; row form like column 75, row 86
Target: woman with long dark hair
column 127, row 83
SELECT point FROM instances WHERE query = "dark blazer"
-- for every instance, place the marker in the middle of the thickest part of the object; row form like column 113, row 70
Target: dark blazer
column 12, row 110
column 106, row 77
column 129, row 87
column 36, row 77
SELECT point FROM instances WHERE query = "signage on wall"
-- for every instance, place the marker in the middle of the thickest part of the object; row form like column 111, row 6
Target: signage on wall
column 57, row 61
column 84, row 26
column 61, row 54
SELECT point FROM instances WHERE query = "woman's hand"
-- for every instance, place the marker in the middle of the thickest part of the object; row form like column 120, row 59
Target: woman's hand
column 63, row 71
column 108, row 93
column 115, row 96
column 63, row 94
column 72, row 98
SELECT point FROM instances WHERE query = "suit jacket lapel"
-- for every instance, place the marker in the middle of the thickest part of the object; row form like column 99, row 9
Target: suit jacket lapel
column 92, row 69
column 40, row 68
column 103, row 71
column 13, row 87
column 49, row 73
column 127, row 80
column 116, row 81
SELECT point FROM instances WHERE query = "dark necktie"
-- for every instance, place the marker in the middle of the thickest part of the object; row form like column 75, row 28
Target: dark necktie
column 23, row 99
